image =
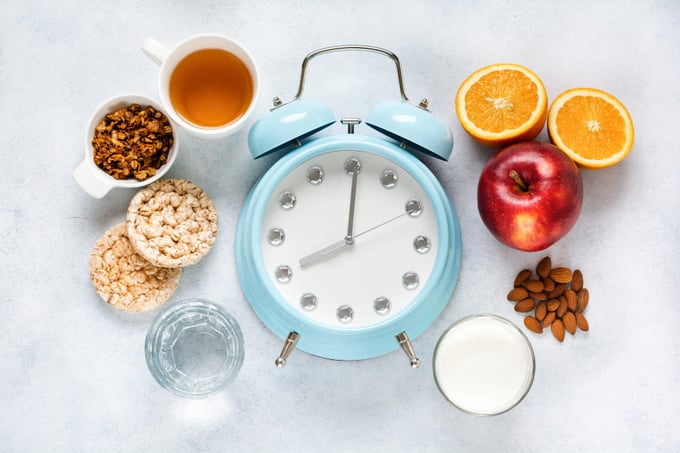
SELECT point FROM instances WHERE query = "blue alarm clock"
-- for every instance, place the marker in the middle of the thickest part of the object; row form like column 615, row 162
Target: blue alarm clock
column 348, row 246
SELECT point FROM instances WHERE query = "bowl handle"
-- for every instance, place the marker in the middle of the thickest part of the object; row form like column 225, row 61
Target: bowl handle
column 89, row 182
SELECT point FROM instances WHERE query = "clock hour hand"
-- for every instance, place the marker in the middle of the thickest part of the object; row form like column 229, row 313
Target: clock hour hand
column 413, row 208
column 319, row 255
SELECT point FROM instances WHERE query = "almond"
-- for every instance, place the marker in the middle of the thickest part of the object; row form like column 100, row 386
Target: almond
column 541, row 310
column 553, row 304
column 582, row 297
column 582, row 322
column 533, row 285
column 570, row 295
column 549, row 318
column 577, row 280
column 524, row 274
column 557, row 329
column 517, row 294
column 557, row 291
column 548, row 284
column 533, row 324
column 561, row 274
column 562, row 309
column 569, row 321
column 524, row 305
column 544, row 266
column 539, row 296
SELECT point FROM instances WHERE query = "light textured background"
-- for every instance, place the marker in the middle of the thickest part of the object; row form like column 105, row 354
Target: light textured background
column 72, row 370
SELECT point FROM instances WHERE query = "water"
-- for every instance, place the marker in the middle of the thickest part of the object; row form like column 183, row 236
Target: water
column 194, row 348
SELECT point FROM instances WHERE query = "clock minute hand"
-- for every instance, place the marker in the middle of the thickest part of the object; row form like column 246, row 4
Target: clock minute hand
column 353, row 168
column 412, row 208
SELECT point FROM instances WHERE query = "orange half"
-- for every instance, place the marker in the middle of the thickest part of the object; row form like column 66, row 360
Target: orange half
column 501, row 104
column 591, row 126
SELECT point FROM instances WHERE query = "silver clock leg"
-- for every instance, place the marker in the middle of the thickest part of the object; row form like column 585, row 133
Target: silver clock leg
column 407, row 347
column 288, row 347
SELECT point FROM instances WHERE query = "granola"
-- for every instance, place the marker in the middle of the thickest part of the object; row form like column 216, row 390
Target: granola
column 132, row 142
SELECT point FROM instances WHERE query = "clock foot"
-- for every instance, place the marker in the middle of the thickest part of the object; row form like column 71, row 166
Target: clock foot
column 288, row 347
column 407, row 347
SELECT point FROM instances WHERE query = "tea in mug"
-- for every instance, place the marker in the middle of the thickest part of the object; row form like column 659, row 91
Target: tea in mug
column 211, row 88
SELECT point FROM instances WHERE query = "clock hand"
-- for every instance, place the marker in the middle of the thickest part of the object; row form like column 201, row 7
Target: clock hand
column 353, row 167
column 413, row 209
column 319, row 255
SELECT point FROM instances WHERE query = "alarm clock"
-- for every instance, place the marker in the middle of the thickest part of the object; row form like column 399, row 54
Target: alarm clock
column 348, row 246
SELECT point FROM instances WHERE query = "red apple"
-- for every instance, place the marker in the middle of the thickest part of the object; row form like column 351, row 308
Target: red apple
column 529, row 195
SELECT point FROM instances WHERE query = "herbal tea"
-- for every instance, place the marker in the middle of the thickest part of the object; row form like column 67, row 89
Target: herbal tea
column 211, row 88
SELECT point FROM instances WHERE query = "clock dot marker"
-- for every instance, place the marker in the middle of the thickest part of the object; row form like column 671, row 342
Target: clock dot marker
column 315, row 175
column 422, row 244
column 284, row 273
column 388, row 179
column 352, row 165
column 287, row 200
column 276, row 236
column 410, row 280
column 345, row 313
column 414, row 208
column 309, row 301
column 382, row 305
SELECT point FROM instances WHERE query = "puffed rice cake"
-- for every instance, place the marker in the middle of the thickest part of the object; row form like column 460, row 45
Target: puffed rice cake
column 172, row 223
column 126, row 280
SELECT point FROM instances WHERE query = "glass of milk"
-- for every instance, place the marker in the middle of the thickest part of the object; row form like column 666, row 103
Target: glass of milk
column 484, row 364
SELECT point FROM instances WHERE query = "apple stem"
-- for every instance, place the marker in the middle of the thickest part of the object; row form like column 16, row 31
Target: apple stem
column 519, row 181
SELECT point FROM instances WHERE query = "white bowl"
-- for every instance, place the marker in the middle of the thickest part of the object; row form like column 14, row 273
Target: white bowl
column 95, row 181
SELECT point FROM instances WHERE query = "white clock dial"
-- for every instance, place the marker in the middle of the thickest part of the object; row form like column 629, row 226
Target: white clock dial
column 343, row 281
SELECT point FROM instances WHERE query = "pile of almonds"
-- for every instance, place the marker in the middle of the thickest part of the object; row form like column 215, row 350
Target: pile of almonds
column 556, row 296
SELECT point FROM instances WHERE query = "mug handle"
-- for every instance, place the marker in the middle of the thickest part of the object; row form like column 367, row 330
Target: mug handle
column 89, row 182
column 155, row 50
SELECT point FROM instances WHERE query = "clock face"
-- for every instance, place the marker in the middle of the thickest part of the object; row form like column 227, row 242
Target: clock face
column 342, row 273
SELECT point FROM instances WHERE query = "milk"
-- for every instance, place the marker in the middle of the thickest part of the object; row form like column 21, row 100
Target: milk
column 484, row 365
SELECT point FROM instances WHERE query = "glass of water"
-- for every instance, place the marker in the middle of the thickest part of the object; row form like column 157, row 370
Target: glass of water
column 194, row 348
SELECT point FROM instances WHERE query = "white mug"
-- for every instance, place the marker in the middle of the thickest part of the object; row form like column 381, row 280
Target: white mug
column 168, row 59
column 95, row 181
